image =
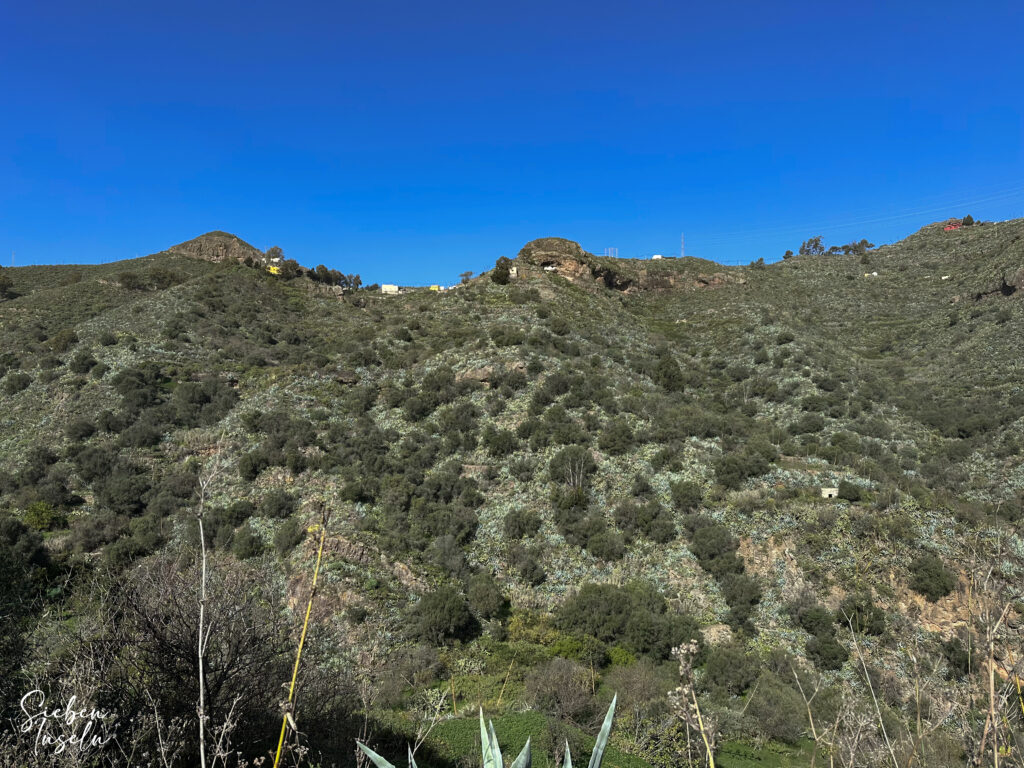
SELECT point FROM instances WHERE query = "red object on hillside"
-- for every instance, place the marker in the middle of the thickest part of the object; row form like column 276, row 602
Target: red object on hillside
column 952, row 226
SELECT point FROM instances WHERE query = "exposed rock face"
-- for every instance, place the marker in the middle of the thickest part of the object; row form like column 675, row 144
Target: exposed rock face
column 1005, row 286
column 568, row 259
column 217, row 246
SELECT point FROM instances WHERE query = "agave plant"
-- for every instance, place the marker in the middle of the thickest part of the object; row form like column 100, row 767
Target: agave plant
column 491, row 752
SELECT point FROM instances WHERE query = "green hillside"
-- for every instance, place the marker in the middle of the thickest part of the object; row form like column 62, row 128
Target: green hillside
column 534, row 487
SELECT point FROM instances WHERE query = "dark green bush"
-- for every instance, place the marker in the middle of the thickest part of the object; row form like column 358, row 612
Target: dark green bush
column 715, row 550
column 849, row 491
column 16, row 382
column 617, row 437
column 521, row 522
column 930, row 577
column 635, row 615
column 246, row 543
column 288, row 536
column 485, row 596
column 730, row 669
column 80, row 429
column 443, row 615
column 859, row 609
column 277, row 504
column 778, row 710
column 825, row 652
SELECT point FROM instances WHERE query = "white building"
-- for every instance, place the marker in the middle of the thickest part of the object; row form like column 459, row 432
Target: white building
column 389, row 289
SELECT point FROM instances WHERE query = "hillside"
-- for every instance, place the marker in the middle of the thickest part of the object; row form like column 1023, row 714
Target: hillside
column 532, row 492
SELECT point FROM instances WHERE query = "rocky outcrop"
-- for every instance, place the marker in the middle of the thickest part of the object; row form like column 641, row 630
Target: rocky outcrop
column 1004, row 286
column 568, row 259
column 216, row 246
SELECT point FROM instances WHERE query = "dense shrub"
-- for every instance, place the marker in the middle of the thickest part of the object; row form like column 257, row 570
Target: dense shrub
column 499, row 442
column 443, row 615
column 732, row 469
column 572, row 465
column 277, row 504
column 636, row 615
column 649, row 519
column 859, row 609
column 521, row 522
column 16, row 382
column 288, row 535
column 617, row 437
column 849, row 491
column 715, row 550
column 80, row 429
column 686, row 495
column 778, row 710
column 930, row 577
column 730, row 669
column 485, row 596
column 825, row 651
column 41, row 516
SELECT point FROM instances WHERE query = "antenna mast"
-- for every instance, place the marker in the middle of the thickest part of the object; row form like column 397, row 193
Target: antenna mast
column 682, row 245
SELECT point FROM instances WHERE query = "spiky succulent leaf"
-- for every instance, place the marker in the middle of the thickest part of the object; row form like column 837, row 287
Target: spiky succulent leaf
column 567, row 762
column 377, row 760
column 602, row 738
column 487, row 748
column 495, row 748
column 412, row 760
column 523, row 761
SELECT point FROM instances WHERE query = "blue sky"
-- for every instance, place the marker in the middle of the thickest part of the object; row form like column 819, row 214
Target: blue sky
column 410, row 141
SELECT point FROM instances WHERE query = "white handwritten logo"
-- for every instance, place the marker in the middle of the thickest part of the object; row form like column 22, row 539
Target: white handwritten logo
column 61, row 728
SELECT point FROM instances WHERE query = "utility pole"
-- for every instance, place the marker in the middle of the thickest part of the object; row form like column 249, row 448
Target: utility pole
column 682, row 245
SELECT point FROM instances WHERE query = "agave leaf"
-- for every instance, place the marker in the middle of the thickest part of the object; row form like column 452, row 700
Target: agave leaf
column 602, row 738
column 412, row 760
column 495, row 748
column 377, row 760
column 567, row 762
column 523, row 761
column 487, row 752
column 485, row 748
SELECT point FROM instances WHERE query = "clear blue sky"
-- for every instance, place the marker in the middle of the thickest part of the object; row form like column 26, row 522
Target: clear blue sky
column 409, row 141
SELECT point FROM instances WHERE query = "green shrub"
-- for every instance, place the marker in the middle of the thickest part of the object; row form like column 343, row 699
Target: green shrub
column 16, row 382
column 733, row 468
column 246, row 543
column 825, row 652
column 617, row 437
column 521, row 522
column 501, row 272
column 288, row 536
column 572, row 465
column 636, row 615
column 277, row 504
column 730, row 669
column 849, row 491
column 930, row 577
column 41, row 516
column 485, row 596
column 80, row 429
column 443, row 615
column 859, row 609
column 715, row 550
column 686, row 495
column 778, row 710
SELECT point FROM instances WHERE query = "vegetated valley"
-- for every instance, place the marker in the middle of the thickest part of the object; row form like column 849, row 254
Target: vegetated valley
column 529, row 490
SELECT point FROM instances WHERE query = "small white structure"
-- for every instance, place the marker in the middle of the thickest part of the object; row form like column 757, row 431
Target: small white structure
column 830, row 493
column 945, row 277
column 391, row 290
column 550, row 268
column 513, row 271
column 657, row 256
